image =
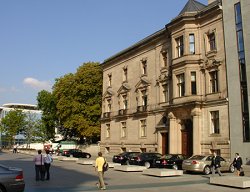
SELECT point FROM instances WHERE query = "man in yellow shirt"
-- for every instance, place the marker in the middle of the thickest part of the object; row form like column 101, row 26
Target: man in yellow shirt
column 99, row 168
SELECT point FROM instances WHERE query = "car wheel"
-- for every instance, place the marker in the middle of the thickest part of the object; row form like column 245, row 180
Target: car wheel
column 206, row 170
column 175, row 167
column 231, row 168
column 147, row 164
column 87, row 156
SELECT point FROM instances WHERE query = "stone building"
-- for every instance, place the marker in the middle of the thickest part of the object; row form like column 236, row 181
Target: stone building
column 168, row 92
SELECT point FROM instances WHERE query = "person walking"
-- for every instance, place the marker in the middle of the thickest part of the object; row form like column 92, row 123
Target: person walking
column 99, row 168
column 39, row 164
column 47, row 162
column 215, row 164
column 237, row 163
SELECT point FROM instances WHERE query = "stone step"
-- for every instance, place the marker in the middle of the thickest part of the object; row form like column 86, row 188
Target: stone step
column 231, row 181
column 162, row 172
column 130, row 168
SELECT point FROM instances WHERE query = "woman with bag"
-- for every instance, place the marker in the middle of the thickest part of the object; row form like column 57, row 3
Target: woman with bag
column 237, row 163
column 39, row 166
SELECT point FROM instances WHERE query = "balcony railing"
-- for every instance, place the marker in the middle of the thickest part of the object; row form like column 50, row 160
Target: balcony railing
column 142, row 108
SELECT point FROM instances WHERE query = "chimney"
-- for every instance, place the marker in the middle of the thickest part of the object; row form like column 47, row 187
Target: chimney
column 210, row 1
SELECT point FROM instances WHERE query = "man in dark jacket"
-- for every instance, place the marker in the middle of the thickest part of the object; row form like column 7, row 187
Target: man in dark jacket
column 237, row 163
column 215, row 164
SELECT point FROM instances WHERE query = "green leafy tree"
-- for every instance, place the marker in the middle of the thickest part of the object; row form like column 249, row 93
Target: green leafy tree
column 12, row 124
column 79, row 101
column 47, row 103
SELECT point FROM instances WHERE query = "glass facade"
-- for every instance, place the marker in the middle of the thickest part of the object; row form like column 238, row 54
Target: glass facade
column 243, row 75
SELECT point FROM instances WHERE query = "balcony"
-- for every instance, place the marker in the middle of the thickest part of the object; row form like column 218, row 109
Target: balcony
column 142, row 108
column 106, row 115
column 122, row 112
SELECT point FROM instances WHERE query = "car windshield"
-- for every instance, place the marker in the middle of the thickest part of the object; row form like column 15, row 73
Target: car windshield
column 197, row 157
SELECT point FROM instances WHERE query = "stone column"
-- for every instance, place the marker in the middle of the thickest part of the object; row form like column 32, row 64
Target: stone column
column 172, row 133
column 196, row 131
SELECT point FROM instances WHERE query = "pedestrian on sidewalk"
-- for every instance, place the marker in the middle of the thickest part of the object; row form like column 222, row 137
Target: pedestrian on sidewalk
column 100, row 160
column 237, row 163
column 39, row 166
column 215, row 164
column 47, row 162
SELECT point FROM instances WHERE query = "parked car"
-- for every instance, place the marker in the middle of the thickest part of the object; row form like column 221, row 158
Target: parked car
column 201, row 163
column 76, row 153
column 171, row 161
column 11, row 179
column 124, row 157
column 146, row 159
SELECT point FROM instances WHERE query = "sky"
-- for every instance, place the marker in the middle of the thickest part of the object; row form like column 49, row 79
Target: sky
column 41, row 40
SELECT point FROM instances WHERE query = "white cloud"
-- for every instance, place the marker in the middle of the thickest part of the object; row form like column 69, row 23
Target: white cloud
column 36, row 84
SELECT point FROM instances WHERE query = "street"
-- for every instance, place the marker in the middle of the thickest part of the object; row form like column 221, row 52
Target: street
column 69, row 176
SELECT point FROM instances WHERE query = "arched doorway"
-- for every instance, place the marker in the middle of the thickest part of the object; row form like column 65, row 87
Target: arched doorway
column 187, row 137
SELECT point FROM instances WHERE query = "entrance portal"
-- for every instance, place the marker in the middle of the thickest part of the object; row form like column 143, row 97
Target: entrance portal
column 165, row 148
column 187, row 138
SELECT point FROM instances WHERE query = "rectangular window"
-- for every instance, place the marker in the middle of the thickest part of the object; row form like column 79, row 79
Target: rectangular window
column 179, row 46
column 125, row 102
column 181, row 85
column 107, row 130
column 143, row 128
column 125, row 74
column 109, row 80
column 165, row 93
column 144, row 98
column 109, row 105
column 213, row 82
column 193, row 83
column 211, row 41
column 123, row 129
column 191, row 44
column 215, row 126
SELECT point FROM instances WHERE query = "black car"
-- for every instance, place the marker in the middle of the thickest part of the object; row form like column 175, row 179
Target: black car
column 124, row 157
column 171, row 161
column 146, row 159
column 11, row 179
column 76, row 153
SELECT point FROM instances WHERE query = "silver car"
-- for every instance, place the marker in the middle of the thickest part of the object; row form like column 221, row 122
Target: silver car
column 201, row 163
column 11, row 179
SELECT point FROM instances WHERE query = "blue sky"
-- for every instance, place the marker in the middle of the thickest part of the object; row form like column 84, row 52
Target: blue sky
column 41, row 40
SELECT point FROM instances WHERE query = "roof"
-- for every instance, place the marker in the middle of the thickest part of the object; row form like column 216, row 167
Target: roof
column 192, row 6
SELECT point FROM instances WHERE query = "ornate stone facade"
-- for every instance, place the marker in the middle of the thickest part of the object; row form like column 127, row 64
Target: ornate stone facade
column 168, row 92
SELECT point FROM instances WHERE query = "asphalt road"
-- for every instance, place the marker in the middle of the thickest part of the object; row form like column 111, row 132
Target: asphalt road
column 72, row 177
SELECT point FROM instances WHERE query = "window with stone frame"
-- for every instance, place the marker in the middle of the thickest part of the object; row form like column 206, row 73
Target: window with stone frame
column 181, row 85
column 179, row 46
column 165, row 93
column 193, row 83
column 125, row 74
column 211, row 41
column 144, row 66
column 109, row 105
column 109, row 80
column 124, row 102
column 123, row 129
column 144, row 98
column 143, row 128
column 107, row 130
column 213, row 81
column 164, row 54
column 191, row 43
column 215, row 122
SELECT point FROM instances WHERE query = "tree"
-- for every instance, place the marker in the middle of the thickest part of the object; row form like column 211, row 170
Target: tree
column 47, row 103
column 12, row 124
column 79, row 101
